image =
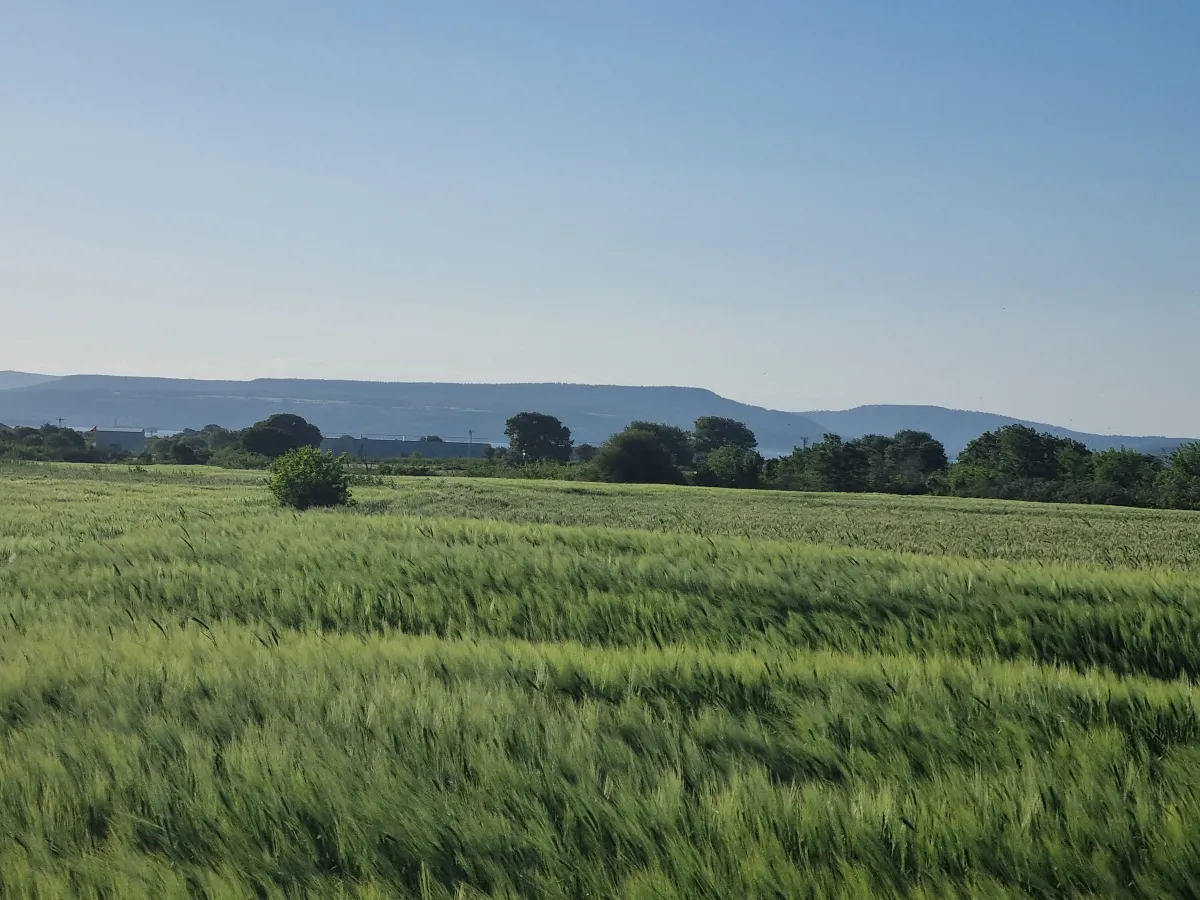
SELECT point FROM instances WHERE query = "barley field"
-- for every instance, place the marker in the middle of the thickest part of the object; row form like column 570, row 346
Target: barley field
column 525, row 689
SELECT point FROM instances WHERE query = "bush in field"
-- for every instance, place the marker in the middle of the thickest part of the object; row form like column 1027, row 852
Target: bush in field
column 307, row 477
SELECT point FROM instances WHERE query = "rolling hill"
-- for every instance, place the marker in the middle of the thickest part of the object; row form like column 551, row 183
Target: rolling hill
column 593, row 412
column 10, row 379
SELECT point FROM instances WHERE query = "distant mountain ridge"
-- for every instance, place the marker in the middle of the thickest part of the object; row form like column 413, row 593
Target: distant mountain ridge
column 10, row 379
column 592, row 412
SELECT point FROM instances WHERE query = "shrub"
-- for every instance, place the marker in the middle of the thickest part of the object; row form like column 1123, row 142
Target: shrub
column 235, row 458
column 306, row 477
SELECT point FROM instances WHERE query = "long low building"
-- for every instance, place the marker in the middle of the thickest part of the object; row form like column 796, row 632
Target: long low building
column 117, row 439
column 388, row 448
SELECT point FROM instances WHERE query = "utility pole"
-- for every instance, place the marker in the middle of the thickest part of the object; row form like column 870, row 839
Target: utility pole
column 60, row 421
column 470, row 444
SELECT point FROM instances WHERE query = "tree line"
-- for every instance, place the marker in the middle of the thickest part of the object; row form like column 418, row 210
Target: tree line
column 1013, row 463
column 50, row 443
column 252, row 447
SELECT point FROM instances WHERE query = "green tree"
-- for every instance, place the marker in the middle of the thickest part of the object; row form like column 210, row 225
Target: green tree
column 838, row 465
column 50, row 442
column 63, row 438
column 678, row 441
column 279, row 434
column 730, row 466
column 636, row 457
column 218, row 438
column 1073, row 460
column 712, row 432
column 831, row 464
column 903, row 463
column 876, row 450
column 1126, row 469
column 585, row 453
column 1018, row 452
column 1180, row 481
column 186, row 448
column 184, row 454
column 537, row 437
column 306, row 477
column 1185, row 460
column 918, row 450
column 1024, row 453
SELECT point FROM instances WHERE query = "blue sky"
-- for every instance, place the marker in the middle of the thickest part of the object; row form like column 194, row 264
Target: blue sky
column 801, row 205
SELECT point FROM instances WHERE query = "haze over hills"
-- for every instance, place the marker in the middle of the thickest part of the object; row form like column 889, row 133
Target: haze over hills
column 355, row 407
column 10, row 379
column 592, row 412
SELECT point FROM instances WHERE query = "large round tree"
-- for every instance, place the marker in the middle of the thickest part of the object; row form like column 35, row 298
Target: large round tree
column 280, row 433
column 713, row 432
column 636, row 457
column 537, row 437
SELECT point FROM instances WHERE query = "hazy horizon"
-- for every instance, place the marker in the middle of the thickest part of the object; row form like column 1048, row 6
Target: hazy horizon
column 801, row 207
column 749, row 402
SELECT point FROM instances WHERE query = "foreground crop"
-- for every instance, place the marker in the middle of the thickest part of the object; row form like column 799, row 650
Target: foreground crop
column 204, row 696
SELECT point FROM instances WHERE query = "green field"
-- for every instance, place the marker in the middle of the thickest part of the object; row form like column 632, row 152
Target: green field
column 467, row 688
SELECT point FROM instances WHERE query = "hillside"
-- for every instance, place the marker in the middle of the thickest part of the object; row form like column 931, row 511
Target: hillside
column 9, row 379
column 592, row 412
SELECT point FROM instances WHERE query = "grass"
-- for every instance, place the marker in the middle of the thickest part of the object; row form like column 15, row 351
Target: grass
column 1102, row 536
column 515, row 689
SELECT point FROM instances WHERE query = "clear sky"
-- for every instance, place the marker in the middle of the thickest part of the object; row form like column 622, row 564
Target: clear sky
column 798, row 204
